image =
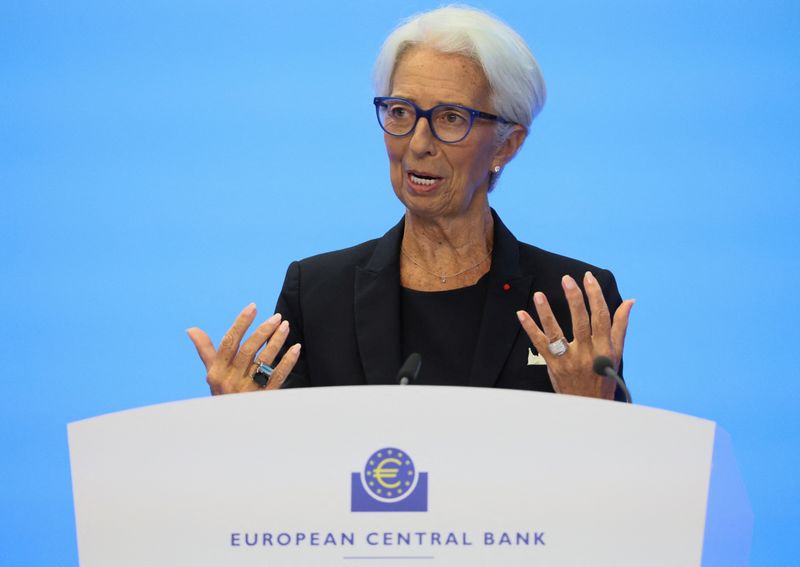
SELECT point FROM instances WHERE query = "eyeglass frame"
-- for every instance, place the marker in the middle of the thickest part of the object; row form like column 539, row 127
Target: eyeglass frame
column 428, row 115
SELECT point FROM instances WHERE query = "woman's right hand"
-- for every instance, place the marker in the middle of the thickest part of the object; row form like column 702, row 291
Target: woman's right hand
column 231, row 367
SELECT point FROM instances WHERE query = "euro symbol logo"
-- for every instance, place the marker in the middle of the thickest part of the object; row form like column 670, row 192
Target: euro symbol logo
column 382, row 474
column 389, row 483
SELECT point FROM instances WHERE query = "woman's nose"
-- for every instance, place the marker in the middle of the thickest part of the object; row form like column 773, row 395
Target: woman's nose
column 422, row 139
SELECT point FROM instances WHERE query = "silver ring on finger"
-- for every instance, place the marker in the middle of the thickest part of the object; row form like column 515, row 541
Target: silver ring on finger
column 262, row 374
column 558, row 347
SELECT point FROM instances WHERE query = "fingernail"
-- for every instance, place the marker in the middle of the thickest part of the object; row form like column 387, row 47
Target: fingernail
column 284, row 327
column 538, row 298
column 295, row 349
column 590, row 278
column 274, row 319
column 520, row 316
column 569, row 283
column 250, row 309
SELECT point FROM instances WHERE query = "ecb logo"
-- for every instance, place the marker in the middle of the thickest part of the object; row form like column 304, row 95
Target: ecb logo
column 389, row 483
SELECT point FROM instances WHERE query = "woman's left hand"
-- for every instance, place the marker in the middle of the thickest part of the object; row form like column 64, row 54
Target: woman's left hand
column 571, row 372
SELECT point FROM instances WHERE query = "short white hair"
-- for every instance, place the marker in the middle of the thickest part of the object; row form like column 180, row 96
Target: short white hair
column 516, row 84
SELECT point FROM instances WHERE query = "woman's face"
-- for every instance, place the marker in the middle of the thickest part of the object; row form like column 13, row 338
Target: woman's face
column 460, row 171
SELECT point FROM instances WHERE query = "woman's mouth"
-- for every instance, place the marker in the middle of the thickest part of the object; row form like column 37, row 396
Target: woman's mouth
column 421, row 181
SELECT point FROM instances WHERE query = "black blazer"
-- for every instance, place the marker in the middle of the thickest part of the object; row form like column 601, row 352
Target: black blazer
column 344, row 307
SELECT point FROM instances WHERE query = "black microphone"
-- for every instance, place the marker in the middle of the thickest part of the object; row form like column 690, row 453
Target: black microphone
column 410, row 370
column 604, row 367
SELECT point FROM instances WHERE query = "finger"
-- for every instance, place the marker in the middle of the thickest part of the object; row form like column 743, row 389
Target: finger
column 281, row 372
column 230, row 342
column 550, row 326
column 204, row 346
column 601, row 320
column 620, row 327
column 581, row 328
column 247, row 353
column 275, row 344
column 535, row 334
column 244, row 383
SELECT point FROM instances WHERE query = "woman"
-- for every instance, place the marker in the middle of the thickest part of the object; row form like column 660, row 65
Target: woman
column 457, row 90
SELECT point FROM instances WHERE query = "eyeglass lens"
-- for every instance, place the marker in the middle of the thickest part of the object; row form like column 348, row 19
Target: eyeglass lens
column 449, row 124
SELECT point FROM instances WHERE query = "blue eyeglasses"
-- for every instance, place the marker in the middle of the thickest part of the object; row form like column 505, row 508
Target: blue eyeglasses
column 449, row 123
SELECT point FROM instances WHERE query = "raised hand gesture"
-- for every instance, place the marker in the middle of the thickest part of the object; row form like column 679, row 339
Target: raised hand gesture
column 569, row 364
column 232, row 366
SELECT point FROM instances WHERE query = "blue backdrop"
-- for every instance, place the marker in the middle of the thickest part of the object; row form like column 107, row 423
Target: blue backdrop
column 162, row 163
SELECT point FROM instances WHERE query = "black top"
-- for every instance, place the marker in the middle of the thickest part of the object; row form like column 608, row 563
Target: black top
column 443, row 327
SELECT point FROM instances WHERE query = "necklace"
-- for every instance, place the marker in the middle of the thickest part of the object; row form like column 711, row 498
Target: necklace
column 443, row 277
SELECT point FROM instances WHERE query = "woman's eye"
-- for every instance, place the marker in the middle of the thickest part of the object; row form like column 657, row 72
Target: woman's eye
column 452, row 117
column 398, row 112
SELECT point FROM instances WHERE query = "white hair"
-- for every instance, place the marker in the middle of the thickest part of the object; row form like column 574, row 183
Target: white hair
column 516, row 84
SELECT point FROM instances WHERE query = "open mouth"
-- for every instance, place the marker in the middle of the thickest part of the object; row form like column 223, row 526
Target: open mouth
column 423, row 179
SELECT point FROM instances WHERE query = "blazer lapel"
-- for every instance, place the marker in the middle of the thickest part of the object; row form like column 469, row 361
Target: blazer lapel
column 377, row 310
column 509, row 291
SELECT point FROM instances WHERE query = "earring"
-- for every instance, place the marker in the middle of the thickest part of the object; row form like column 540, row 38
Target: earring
column 496, row 169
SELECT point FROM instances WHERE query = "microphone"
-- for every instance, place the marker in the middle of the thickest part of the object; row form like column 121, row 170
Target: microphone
column 410, row 370
column 604, row 367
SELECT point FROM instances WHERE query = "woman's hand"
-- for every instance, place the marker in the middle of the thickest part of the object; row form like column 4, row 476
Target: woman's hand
column 231, row 367
column 571, row 372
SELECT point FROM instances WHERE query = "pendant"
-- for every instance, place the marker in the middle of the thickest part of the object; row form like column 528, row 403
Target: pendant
column 444, row 280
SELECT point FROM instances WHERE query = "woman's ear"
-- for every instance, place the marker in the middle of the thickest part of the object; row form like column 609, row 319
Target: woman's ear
column 510, row 146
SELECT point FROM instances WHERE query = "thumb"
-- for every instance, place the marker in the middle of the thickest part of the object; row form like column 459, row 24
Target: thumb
column 620, row 326
column 204, row 346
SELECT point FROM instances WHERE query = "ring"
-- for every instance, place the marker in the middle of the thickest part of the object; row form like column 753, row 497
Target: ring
column 262, row 374
column 558, row 347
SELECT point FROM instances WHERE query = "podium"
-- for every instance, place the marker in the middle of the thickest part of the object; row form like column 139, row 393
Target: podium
column 390, row 475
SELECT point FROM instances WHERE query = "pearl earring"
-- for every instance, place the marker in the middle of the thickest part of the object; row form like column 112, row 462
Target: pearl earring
column 496, row 169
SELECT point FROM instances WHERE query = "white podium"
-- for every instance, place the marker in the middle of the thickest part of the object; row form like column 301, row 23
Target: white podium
column 389, row 475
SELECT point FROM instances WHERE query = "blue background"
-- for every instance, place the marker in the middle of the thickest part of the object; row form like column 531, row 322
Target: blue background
column 162, row 163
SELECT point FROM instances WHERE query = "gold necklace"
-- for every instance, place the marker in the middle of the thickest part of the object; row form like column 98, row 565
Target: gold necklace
column 443, row 277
